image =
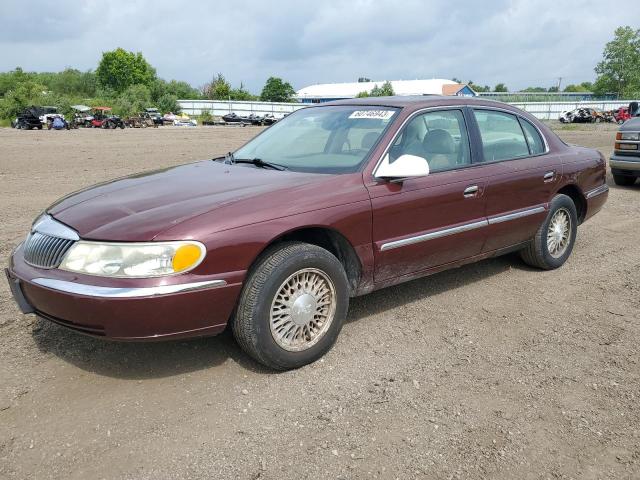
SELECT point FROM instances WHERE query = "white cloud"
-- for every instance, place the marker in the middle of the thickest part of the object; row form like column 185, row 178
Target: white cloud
column 521, row 43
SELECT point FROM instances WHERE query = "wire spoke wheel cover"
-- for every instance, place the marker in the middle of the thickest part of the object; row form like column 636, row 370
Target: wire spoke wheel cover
column 302, row 310
column 559, row 233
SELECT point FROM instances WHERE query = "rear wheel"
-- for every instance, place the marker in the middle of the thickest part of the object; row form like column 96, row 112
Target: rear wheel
column 624, row 180
column 292, row 306
column 553, row 242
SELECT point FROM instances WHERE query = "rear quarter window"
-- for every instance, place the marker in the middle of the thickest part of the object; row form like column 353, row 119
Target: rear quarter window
column 536, row 144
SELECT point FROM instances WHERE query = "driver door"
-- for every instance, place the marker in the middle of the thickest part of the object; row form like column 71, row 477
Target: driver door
column 426, row 222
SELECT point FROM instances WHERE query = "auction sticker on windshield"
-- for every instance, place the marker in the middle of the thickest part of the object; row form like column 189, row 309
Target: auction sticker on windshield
column 379, row 114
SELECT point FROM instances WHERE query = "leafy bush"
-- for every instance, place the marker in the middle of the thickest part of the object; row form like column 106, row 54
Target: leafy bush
column 205, row 116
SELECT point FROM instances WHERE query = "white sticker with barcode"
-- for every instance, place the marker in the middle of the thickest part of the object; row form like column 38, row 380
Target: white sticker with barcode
column 379, row 114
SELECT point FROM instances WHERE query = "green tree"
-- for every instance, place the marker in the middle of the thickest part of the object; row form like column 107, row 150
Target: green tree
column 501, row 87
column 217, row 89
column 535, row 90
column 477, row 88
column 619, row 70
column 277, row 90
column 120, row 69
column 386, row 90
column 23, row 95
column 241, row 93
column 161, row 88
column 168, row 103
column 133, row 100
column 580, row 87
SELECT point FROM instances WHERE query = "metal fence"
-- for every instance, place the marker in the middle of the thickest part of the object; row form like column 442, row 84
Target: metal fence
column 552, row 110
column 542, row 110
column 222, row 107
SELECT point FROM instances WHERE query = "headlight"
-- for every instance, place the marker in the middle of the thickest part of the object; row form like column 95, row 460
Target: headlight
column 133, row 260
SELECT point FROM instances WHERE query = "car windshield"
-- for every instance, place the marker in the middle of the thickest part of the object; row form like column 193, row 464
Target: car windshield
column 331, row 139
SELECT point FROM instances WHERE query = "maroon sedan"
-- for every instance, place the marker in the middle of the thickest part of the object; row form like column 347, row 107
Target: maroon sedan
column 333, row 201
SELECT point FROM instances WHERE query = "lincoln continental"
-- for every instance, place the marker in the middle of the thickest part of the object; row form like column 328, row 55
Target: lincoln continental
column 334, row 201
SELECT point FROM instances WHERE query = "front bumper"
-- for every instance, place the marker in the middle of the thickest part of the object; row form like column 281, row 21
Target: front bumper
column 130, row 310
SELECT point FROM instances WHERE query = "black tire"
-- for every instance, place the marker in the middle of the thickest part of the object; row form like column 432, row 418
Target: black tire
column 624, row 180
column 251, row 323
column 536, row 254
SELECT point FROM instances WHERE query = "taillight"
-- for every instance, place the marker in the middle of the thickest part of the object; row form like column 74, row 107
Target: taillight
column 626, row 146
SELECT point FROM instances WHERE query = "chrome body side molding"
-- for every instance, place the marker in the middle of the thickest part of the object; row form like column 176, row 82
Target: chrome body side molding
column 515, row 215
column 462, row 228
column 124, row 292
column 430, row 236
column 597, row 191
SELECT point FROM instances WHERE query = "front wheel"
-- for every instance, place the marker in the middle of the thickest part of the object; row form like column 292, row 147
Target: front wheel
column 553, row 242
column 292, row 306
column 624, row 180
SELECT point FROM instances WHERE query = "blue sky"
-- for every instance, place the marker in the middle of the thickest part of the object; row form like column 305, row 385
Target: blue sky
column 521, row 43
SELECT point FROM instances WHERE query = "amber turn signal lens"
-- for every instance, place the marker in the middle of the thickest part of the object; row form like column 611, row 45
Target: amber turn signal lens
column 619, row 136
column 185, row 257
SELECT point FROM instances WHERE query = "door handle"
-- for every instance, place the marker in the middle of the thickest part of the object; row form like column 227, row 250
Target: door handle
column 549, row 176
column 470, row 191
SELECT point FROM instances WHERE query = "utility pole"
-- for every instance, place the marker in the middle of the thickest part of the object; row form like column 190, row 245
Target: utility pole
column 559, row 83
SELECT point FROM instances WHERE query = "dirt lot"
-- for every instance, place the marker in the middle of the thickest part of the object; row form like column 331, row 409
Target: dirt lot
column 492, row 370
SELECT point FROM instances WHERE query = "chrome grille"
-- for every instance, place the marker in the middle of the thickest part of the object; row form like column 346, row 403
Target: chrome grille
column 45, row 251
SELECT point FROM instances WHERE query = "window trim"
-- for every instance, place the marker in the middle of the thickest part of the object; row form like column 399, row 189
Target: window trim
column 518, row 117
column 422, row 111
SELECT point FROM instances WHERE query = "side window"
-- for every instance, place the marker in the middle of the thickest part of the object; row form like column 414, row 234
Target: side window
column 440, row 137
column 502, row 136
column 536, row 145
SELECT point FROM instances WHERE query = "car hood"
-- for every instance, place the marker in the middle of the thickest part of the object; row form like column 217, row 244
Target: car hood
column 140, row 207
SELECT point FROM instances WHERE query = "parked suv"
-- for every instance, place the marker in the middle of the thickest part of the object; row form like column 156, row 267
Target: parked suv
column 625, row 161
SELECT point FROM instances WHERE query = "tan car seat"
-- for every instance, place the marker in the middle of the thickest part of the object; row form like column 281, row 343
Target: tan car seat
column 439, row 147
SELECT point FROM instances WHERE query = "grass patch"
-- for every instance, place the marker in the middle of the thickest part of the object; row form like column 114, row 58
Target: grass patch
column 5, row 122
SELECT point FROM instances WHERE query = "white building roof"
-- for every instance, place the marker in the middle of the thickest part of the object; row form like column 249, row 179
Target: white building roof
column 350, row 90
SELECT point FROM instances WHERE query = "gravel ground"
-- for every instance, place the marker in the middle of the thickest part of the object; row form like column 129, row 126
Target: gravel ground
column 493, row 370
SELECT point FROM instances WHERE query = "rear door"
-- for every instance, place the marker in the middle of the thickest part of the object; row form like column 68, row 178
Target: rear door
column 422, row 223
column 522, row 178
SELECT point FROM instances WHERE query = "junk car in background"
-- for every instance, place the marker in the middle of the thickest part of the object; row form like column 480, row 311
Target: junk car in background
column 102, row 118
column 625, row 161
column 585, row 115
column 33, row 117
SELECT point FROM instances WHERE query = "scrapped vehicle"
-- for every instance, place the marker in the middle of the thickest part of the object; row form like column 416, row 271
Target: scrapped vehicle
column 235, row 118
column 102, row 118
column 584, row 115
column 333, row 201
column 169, row 118
column 251, row 119
column 184, row 120
column 143, row 120
column 34, row 117
column 269, row 119
column 154, row 115
column 625, row 161
column 81, row 116
column 57, row 122
column 622, row 115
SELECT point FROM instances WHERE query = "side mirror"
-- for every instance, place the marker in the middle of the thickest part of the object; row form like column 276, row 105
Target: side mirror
column 405, row 166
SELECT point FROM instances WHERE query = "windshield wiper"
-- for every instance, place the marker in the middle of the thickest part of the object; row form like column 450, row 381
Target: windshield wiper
column 258, row 162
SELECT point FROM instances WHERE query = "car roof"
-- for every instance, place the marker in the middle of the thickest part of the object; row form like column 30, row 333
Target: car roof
column 421, row 101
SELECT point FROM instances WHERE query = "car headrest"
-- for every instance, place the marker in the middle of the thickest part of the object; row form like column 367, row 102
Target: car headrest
column 438, row 141
column 369, row 140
